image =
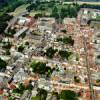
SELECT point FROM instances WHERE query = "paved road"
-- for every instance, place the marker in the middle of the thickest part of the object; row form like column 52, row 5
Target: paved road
column 92, row 97
column 80, row 3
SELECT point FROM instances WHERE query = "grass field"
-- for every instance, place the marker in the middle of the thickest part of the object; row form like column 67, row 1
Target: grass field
column 19, row 9
column 47, row 12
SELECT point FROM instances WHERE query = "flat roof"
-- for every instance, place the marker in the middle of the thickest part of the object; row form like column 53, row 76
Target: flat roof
column 20, row 32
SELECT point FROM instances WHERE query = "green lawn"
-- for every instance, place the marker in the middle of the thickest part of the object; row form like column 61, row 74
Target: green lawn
column 47, row 12
column 35, row 98
column 19, row 9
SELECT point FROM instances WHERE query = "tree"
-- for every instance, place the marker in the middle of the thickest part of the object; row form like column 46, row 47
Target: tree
column 55, row 94
column 11, row 32
column 66, row 40
column 41, row 68
column 27, row 43
column 7, row 45
column 76, row 79
column 64, row 12
column 68, row 95
column 64, row 31
column 50, row 52
column 21, row 48
column 98, row 81
column 3, row 64
column 21, row 88
column 98, row 57
column 55, row 12
column 31, row 7
column 37, row 15
column 38, row 67
column 51, row 4
column 43, row 94
column 64, row 54
column 7, row 52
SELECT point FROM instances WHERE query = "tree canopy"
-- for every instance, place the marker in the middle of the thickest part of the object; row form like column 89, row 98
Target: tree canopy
column 68, row 95
column 66, row 40
column 21, row 48
column 41, row 68
column 65, row 54
column 3, row 64
column 50, row 52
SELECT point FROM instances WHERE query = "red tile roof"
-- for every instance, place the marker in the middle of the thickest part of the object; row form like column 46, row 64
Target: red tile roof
column 12, row 86
column 1, row 91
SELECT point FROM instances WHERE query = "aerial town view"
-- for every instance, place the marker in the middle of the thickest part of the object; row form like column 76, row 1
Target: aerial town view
column 49, row 49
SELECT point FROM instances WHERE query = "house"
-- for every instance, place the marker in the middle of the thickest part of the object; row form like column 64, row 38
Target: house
column 69, row 20
column 17, row 34
column 24, row 20
column 45, row 24
column 20, row 76
column 42, row 83
column 3, row 82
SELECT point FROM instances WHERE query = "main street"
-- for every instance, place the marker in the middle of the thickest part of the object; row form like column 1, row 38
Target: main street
column 82, row 2
column 92, row 97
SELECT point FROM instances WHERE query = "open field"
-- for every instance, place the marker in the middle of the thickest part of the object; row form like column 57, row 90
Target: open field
column 80, row 3
column 32, row 13
column 19, row 9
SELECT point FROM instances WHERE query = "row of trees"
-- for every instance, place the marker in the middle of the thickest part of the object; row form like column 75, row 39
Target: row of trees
column 70, row 10
column 50, row 52
column 66, row 40
column 64, row 95
column 57, row 10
